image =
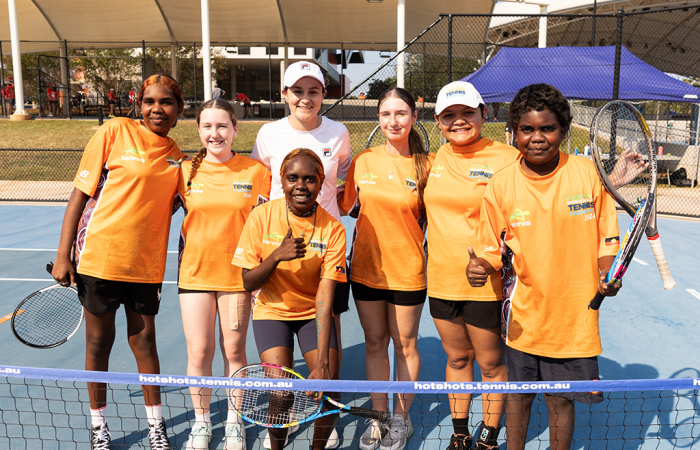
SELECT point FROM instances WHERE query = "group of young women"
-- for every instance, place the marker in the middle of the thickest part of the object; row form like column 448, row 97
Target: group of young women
column 270, row 226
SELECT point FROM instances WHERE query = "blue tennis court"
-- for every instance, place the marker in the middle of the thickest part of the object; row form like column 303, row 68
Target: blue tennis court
column 648, row 333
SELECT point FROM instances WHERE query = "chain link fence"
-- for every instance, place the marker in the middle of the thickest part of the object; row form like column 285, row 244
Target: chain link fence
column 456, row 46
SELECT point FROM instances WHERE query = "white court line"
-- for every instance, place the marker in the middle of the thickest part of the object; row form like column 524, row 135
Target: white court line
column 637, row 260
column 43, row 250
column 694, row 293
column 51, row 280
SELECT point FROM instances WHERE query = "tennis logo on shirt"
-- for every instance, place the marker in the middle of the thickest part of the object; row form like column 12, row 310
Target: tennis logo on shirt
column 317, row 245
column 196, row 187
column 435, row 171
column 410, row 183
column 273, row 238
column 481, row 172
column 134, row 154
column 243, row 186
column 518, row 218
column 580, row 204
column 368, row 178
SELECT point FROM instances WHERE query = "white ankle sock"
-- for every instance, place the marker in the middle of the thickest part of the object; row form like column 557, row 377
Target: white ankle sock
column 205, row 418
column 154, row 414
column 99, row 416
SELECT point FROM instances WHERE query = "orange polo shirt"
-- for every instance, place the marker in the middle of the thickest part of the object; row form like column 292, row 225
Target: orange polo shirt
column 131, row 175
column 388, row 248
column 217, row 205
column 290, row 292
column 456, row 185
column 557, row 226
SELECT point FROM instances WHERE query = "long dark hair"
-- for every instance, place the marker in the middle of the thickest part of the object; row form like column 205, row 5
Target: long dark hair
column 418, row 152
column 213, row 104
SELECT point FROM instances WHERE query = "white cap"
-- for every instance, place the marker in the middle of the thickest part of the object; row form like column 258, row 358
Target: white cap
column 458, row 93
column 302, row 69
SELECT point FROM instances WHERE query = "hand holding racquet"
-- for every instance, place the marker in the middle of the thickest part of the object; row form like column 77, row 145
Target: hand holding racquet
column 626, row 163
column 279, row 408
column 48, row 317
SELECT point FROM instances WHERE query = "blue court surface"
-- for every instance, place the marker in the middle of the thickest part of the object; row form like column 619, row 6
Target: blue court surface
column 648, row 333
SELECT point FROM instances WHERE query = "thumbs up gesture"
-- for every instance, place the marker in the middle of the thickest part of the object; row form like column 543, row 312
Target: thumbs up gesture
column 291, row 248
column 476, row 273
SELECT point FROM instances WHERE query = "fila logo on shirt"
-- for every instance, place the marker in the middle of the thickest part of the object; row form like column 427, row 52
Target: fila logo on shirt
column 134, row 154
column 518, row 218
column 368, row 178
column 327, row 152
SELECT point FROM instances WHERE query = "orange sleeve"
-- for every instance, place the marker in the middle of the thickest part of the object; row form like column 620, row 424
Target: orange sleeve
column 333, row 267
column 266, row 184
column 608, row 231
column 491, row 225
column 94, row 159
column 249, row 250
column 350, row 199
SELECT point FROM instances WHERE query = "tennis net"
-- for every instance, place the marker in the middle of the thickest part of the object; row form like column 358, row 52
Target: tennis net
column 49, row 409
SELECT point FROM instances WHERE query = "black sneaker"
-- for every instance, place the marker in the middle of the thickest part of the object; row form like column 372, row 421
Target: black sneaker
column 158, row 437
column 100, row 437
column 460, row 442
column 488, row 438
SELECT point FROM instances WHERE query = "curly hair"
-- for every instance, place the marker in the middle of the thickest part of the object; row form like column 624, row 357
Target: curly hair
column 538, row 97
column 304, row 153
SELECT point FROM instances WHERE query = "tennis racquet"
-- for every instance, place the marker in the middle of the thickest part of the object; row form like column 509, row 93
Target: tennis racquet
column 284, row 408
column 48, row 317
column 377, row 138
column 626, row 163
column 627, row 247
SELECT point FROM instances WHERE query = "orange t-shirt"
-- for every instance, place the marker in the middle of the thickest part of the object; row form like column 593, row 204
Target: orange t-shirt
column 220, row 199
column 557, row 226
column 131, row 175
column 388, row 248
column 290, row 292
column 452, row 198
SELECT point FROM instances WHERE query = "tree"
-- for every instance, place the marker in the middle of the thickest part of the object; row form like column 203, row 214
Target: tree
column 185, row 63
column 434, row 68
column 107, row 69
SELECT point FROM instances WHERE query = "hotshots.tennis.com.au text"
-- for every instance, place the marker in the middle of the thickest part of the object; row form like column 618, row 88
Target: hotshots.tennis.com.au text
column 206, row 382
column 486, row 386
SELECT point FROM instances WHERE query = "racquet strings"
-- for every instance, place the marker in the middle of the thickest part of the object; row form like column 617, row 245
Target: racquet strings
column 618, row 135
column 49, row 317
column 274, row 407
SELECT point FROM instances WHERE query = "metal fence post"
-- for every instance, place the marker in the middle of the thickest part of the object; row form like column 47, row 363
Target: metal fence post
column 618, row 54
column 449, row 48
column 38, row 75
column 269, row 70
column 2, row 82
column 194, row 69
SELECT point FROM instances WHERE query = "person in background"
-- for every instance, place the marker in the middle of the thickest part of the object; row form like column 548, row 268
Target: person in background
column 217, row 92
column 53, row 100
column 133, row 103
column 241, row 97
column 112, row 100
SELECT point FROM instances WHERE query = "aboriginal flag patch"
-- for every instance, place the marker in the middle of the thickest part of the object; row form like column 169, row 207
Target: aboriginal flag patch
column 340, row 269
column 611, row 241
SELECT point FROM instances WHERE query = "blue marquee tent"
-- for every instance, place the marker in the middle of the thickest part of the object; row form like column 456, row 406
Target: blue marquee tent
column 584, row 73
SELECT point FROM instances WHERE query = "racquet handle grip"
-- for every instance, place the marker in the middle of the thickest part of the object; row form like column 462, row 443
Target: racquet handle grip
column 597, row 300
column 660, row 257
column 381, row 416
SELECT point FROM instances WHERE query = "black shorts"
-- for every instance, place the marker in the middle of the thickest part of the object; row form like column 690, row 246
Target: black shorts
column 112, row 102
column 341, row 300
column 280, row 333
column 485, row 315
column 100, row 296
column 526, row 367
column 401, row 298
column 53, row 102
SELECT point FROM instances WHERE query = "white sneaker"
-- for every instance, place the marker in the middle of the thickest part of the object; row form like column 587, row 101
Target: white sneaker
column 234, row 438
column 333, row 440
column 200, row 435
column 373, row 435
column 398, row 433
column 290, row 430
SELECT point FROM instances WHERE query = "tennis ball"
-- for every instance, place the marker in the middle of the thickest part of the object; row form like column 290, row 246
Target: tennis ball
column 668, row 154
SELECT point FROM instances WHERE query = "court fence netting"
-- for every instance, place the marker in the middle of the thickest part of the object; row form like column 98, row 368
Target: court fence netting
column 458, row 45
column 49, row 409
